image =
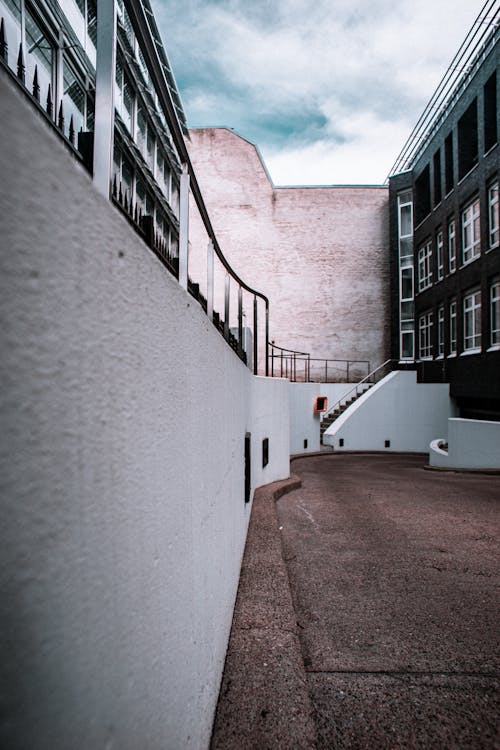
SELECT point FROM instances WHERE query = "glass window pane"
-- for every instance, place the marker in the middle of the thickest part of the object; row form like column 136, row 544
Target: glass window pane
column 73, row 100
column 128, row 103
column 12, row 29
column 405, row 227
column 92, row 20
column 39, row 54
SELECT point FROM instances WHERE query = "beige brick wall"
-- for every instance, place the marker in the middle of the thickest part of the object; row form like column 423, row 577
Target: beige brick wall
column 319, row 253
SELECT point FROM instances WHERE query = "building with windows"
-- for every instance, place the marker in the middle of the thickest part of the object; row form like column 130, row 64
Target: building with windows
column 444, row 227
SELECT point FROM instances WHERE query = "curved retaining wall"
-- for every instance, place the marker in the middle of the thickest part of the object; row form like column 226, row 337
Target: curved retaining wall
column 124, row 416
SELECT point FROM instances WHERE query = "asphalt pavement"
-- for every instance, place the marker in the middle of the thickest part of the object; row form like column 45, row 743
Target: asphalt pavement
column 367, row 613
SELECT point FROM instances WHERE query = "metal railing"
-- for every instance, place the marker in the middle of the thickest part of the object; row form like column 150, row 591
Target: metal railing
column 373, row 377
column 82, row 146
column 300, row 367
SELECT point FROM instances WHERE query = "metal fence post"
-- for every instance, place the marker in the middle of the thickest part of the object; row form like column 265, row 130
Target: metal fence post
column 210, row 281
column 184, row 227
column 227, row 290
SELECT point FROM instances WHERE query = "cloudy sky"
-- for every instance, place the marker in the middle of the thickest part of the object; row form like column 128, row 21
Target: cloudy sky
column 329, row 90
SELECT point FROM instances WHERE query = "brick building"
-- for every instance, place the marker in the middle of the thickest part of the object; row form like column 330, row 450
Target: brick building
column 445, row 252
column 319, row 253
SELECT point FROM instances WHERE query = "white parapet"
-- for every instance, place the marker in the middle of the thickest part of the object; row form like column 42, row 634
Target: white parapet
column 397, row 414
column 472, row 444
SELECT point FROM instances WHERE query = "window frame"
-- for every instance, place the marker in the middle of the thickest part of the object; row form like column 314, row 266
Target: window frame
column 440, row 255
column 424, row 266
column 472, row 315
column 440, row 332
column 452, row 246
column 453, row 328
column 495, row 315
column 493, row 216
column 425, row 324
column 471, row 222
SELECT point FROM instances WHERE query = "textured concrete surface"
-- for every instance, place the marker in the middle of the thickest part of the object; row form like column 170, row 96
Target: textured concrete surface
column 311, row 250
column 394, row 576
column 123, row 417
column 393, row 572
column 264, row 701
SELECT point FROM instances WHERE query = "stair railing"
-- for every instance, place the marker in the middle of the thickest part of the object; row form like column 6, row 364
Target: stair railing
column 370, row 379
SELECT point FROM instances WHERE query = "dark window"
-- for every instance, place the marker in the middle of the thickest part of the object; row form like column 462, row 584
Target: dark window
column 467, row 140
column 448, row 163
column 422, row 195
column 265, row 452
column 437, row 177
column 248, row 466
column 490, row 112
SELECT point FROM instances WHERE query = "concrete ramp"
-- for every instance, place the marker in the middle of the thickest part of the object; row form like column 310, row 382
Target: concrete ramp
column 397, row 414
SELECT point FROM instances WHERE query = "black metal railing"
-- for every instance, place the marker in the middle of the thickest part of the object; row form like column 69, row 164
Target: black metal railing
column 373, row 377
column 81, row 145
column 479, row 42
column 300, row 367
column 77, row 142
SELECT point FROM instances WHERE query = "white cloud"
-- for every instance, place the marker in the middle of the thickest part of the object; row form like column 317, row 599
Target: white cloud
column 367, row 68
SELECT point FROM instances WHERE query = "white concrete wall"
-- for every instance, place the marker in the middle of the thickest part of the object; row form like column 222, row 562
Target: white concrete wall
column 312, row 250
column 472, row 444
column 122, row 469
column 398, row 409
column 304, row 423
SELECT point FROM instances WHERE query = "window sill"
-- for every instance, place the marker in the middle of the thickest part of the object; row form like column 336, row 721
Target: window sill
column 468, row 352
column 426, row 359
column 491, row 148
column 493, row 247
column 467, row 174
column 452, row 355
column 468, row 262
column 494, row 348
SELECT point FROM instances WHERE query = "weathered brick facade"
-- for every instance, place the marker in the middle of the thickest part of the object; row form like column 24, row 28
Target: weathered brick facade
column 319, row 253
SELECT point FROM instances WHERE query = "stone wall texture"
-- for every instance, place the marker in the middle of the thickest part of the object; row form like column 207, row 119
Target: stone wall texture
column 122, row 467
column 321, row 254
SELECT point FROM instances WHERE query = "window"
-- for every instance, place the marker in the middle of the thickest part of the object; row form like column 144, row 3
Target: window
column 124, row 96
column 467, row 140
column 73, row 100
column 441, row 331
column 449, row 176
column 11, row 13
column 439, row 255
column 407, row 340
column 495, row 315
column 425, row 267
column 493, row 228
column 40, row 56
column 452, row 246
column 472, row 321
column 422, row 195
column 163, row 173
column 471, row 233
column 88, row 9
column 453, row 327
column 405, row 227
column 490, row 112
column 437, row 177
column 425, row 336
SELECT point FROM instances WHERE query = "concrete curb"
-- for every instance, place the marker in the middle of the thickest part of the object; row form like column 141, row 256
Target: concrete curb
column 264, row 700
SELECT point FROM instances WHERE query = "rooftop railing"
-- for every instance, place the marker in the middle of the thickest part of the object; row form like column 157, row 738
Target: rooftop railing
column 479, row 42
column 300, row 367
column 240, row 319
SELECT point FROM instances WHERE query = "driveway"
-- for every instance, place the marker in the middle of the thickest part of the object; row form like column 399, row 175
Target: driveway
column 394, row 577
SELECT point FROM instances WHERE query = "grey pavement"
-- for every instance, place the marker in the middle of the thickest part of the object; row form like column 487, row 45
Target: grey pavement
column 367, row 613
